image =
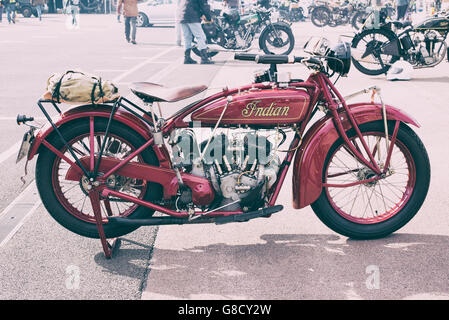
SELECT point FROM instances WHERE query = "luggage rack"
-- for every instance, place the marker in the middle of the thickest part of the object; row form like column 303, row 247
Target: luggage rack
column 121, row 102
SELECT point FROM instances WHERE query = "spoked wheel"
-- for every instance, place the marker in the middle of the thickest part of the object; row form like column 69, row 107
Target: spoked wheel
column 68, row 201
column 277, row 39
column 378, row 208
column 321, row 16
column 372, row 51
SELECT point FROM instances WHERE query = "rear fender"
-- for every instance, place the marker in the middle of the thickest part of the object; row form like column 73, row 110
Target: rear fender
column 309, row 160
column 97, row 111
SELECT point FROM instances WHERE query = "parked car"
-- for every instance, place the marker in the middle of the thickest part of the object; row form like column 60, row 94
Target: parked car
column 163, row 12
column 25, row 8
column 156, row 12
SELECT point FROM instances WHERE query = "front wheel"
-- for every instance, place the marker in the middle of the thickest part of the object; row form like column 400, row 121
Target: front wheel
column 277, row 39
column 375, row 209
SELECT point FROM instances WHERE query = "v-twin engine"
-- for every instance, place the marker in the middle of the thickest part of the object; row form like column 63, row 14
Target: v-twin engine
column 241, row 166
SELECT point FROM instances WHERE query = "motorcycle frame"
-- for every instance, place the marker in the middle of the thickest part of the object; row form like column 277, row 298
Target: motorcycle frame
column 339, row 119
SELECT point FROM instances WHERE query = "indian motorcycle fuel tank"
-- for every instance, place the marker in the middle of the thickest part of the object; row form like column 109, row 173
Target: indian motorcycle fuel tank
column 267, row 108
column 440, row 24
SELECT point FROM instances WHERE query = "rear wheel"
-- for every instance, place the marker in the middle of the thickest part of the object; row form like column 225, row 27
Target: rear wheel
column 378, row 208
column 68, row 202
column 373, row 51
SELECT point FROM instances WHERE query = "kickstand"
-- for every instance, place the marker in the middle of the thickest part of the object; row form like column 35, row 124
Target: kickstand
column 109, row 247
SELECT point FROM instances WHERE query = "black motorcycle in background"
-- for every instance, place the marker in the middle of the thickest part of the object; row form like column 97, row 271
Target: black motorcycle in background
column 332, row 14
column 291, row 11
column 423, row 45
column 231, row 31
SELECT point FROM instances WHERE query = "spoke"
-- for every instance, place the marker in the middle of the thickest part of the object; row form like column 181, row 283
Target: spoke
column 355, row 198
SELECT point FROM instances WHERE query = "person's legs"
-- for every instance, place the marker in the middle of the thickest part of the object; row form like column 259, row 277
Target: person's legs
column 8, row 12
column 187, row 36
column 133, row 29
column 401, row 12
column 187, row 43
column 13, row 8
column 39, row 11
column 198, row 33
column 1, row 13
column 127, row 28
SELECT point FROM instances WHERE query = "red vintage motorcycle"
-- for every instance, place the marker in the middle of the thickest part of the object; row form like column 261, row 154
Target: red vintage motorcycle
column 104, row 169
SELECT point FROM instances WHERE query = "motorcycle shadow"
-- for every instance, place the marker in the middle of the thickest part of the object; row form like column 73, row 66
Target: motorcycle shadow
column 293, row 266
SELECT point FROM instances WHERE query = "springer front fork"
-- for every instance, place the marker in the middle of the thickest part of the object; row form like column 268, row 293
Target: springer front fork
column 376, row 91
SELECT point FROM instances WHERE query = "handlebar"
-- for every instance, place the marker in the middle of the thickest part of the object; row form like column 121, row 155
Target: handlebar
column 275, row 58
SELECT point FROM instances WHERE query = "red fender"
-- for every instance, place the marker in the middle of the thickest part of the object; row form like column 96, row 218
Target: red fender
column 99, row 111
column 310, row 158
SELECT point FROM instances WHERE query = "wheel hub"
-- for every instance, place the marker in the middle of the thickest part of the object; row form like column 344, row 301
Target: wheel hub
column 365, row 174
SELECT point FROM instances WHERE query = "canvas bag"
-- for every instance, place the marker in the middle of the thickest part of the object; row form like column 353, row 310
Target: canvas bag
column 80, row 87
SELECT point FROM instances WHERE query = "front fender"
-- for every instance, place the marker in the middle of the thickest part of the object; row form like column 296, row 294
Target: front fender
column 309, row 160
column 86, row 111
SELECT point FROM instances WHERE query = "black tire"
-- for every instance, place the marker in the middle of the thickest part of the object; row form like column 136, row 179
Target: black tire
column 368, row 37
column 142, row 20
column 270, row 36
column 27, row 11
column 320, row 16
column 342, row 225
column 45, row 179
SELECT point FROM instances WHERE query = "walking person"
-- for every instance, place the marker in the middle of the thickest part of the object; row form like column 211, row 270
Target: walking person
column 130, row 12
column 73, row 7
column 1, row 10
column 38, row 5
column 11, row 10
column 190, row 13
column 401, row 8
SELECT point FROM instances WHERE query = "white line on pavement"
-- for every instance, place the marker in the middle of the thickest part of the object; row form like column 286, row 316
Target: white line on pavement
column 142, row 64
column 11, row 151
column 20, row 224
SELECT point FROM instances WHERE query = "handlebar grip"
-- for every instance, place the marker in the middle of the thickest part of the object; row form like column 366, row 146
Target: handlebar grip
column 245, row 56
column 272, row 58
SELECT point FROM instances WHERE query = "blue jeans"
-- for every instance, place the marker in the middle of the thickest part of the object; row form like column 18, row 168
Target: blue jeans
column 39, row 11
column 191, row 30
column 130, row 23
column 11, row 7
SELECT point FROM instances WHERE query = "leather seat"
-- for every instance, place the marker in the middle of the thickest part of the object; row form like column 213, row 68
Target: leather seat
column 401, row 24
column 152, row 92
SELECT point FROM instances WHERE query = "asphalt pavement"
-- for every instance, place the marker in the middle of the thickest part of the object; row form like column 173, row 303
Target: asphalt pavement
column 291, row 255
